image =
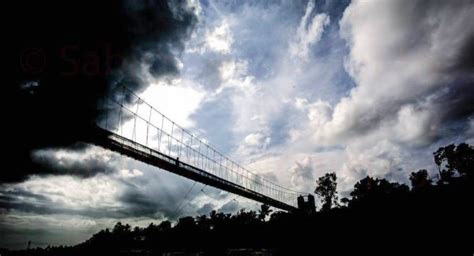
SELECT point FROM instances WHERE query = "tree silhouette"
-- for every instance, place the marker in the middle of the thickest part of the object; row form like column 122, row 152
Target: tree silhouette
column 326, row 188
column 419, row 180
column 264, row 211
column 451, row 159
column 373, row 188
column 364, row 188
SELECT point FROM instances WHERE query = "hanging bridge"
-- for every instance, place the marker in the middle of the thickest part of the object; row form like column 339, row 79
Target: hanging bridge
column 132, row 127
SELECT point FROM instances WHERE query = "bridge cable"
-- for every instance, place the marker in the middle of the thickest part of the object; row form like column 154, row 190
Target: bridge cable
column 234, row 198
column 191, row 199
column 208, row 195
column 184, row 198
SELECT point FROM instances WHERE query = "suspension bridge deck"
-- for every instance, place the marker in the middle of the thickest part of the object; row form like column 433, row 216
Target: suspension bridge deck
column 130, row 148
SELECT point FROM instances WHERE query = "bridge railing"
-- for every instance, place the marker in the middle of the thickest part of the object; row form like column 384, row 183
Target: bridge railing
column 129, row 116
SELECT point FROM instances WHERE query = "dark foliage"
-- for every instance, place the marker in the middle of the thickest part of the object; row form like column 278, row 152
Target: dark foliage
column 327, row 189
column 419, row 180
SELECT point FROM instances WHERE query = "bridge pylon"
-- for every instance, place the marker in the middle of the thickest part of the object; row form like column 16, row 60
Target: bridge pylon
column 306, row 204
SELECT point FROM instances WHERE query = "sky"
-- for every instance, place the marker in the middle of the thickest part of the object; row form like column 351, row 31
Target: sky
column 289, row 89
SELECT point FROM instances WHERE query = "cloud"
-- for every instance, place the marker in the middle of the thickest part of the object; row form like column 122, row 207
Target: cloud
column 405, row 68
column 253, row 143
column 470, row 132
column 304, row 169
column 259, row 82
column 136, row 191
column 205, row 71
column 92, row 197
column 124, row 173
column 309, row 32
column 220, row 39
column 206, row 209
column 408, row 96
column 230, row 207
column 19, row 227
column 82, row 161
column 178, row 100
column 415, row 124
column 158, row 194
column 302, row 175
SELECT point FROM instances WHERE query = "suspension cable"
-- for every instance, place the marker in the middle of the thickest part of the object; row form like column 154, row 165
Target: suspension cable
column 207, row 156
column 184, row 198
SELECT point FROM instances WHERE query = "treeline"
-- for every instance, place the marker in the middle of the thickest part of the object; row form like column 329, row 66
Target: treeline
column 434, row 216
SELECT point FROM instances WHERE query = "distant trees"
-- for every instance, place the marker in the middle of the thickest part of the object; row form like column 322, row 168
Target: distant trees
column 264, row 211
column 419, row 180
column 453, row 159
column 371, row 188
column 185, row 223
column 326, row 188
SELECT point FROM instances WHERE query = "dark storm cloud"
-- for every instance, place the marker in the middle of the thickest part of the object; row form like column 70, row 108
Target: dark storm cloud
column 158, row 194
column 66, row 56
column 87, row 165
column 134, row 197
column 140, row 204
column 148, row 193
column 157, row 30
column 465, row 59
column 22, row 200
column 455, row 102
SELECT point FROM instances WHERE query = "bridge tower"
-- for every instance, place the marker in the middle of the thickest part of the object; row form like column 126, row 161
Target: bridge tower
column 306, row 204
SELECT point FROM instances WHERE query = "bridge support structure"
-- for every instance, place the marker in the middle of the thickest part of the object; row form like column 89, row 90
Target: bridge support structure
column 125, row 146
